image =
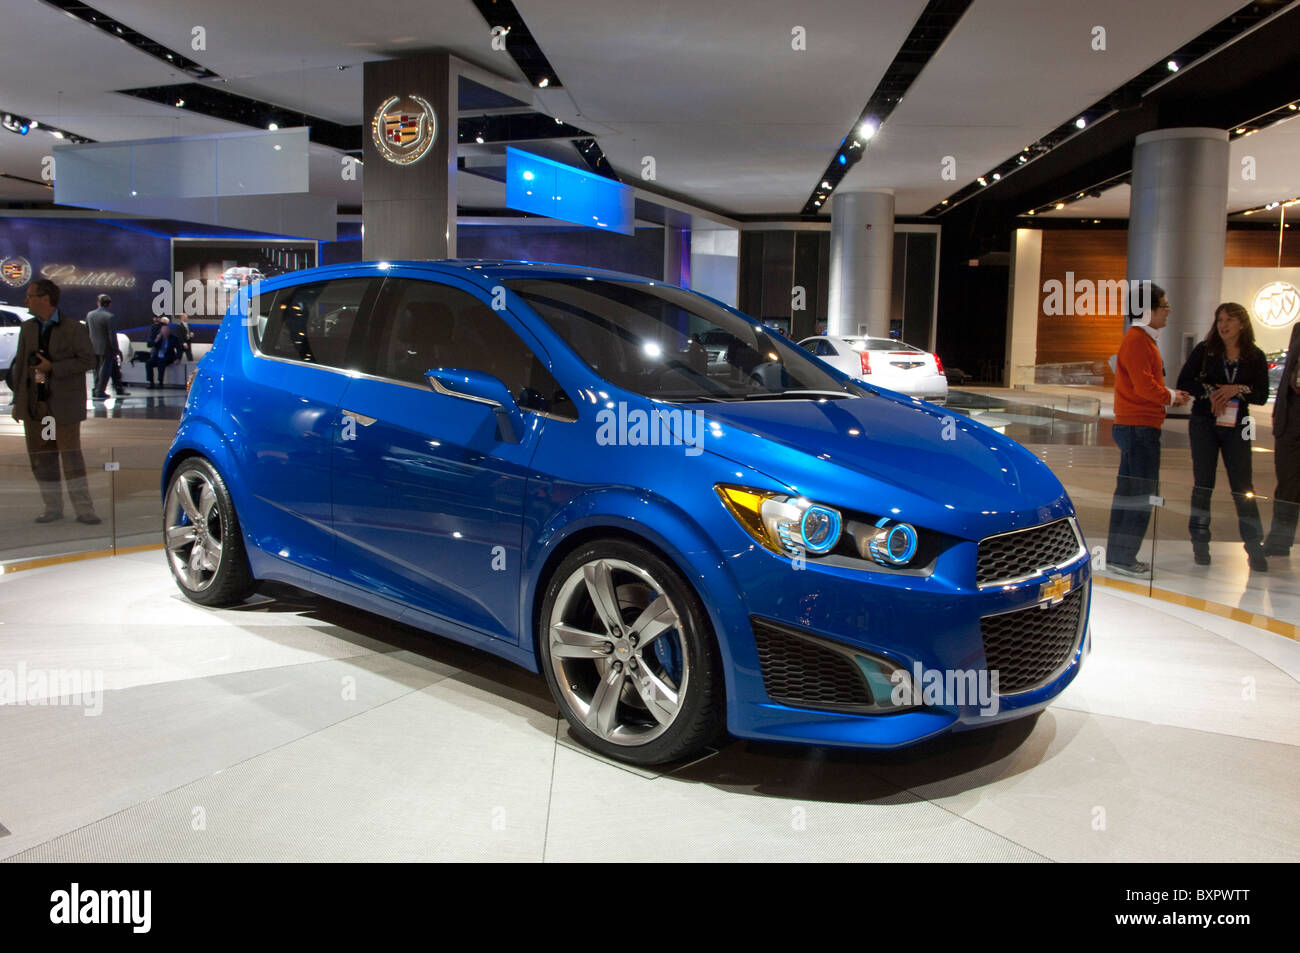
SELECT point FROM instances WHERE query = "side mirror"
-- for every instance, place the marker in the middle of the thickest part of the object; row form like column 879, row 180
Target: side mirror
column 481, row 388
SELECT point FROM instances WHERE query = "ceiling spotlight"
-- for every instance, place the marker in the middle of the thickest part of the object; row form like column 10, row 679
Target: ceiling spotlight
column 273, row 127
column 1096, row 221
column 1241, row 132
column 56, row 134
column 825, row 184
column 1060, row 205
column 997, row 176
column 867, row 129
column 1080, row 195
column 1080, row 122
column 35, row 124
column 559, row 121
column 1293, row 107
column 180, row 103
column 944, row 202
column 543, row 83
column 479, row 140
column 1171, row 66
column 1022, row 159
column 1030, row 212
column 981, row 181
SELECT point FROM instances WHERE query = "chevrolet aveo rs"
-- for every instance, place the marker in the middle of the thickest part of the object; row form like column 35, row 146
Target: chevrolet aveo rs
column 546, row 462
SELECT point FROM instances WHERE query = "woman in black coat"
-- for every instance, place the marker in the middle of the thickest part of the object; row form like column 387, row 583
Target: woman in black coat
column 1225, row 373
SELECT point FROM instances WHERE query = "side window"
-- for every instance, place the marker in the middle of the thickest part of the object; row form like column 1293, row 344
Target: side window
column 420, row 325
column 311, row 323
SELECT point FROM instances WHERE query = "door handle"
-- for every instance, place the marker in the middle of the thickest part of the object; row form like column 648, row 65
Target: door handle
column 362, row 419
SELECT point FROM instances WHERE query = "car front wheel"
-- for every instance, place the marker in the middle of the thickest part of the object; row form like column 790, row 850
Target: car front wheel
column 629, row 655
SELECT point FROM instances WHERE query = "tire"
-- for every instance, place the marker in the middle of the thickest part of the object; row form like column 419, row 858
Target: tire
column 202, row 539
column 645, row 689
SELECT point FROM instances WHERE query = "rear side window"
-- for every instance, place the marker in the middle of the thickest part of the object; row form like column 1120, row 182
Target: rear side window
column 420, row 325
column 311, row 323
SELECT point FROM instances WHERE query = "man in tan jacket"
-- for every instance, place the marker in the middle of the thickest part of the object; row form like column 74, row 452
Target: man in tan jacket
column 49, row 385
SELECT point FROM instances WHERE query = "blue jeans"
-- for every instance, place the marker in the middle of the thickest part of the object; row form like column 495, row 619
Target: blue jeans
column 1139, row 476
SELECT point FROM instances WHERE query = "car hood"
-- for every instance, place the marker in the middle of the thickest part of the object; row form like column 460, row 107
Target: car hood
column 891, row 456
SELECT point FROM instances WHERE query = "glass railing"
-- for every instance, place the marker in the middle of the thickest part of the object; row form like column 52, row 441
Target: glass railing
column 123, row 483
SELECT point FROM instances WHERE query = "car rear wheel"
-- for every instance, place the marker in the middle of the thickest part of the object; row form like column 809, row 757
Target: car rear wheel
column 205, row 548
column 629, row 655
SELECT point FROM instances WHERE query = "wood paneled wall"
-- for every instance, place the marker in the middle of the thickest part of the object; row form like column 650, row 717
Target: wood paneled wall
column 1100, row 255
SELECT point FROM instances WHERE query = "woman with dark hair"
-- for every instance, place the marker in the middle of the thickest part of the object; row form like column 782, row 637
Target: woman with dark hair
column 1225, row 373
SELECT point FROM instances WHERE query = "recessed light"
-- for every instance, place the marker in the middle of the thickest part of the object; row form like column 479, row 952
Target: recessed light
column 543, row 83
column 1172, row 66
column 1080, row 122
column 1060, row 205
column 867, row 129
column 273, row 127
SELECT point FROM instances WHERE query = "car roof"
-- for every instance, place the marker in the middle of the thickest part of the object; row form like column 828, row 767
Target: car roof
column 492, row 269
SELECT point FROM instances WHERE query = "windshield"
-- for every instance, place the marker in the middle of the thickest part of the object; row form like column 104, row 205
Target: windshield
column 670, row 344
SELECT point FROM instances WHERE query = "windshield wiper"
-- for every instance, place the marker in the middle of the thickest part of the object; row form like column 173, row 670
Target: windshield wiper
column 798, row 395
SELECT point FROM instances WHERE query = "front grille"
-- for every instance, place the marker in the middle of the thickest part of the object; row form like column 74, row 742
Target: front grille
column 1029, row 646
column 798, row 671
column 1026, row 553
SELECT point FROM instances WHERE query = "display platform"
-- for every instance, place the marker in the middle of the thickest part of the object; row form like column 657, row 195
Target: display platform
column 297, row 728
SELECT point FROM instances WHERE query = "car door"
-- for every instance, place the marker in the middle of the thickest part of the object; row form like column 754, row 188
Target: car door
column 428, row 493
column 285, row 407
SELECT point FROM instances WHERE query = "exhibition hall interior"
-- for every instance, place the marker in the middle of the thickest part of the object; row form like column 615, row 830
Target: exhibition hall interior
column 390, row 468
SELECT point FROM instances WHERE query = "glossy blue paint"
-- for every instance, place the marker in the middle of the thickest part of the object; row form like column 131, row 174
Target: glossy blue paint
column 431, row 514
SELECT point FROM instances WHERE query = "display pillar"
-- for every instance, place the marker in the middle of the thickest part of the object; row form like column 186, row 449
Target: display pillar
column 408, row 200
column 1177, row 229
column 861, row 262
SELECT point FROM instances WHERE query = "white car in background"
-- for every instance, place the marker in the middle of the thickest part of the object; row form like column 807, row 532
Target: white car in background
column 11, row 318
column 884, row 362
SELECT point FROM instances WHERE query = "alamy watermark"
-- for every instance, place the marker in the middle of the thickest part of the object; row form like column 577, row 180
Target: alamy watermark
column 1087, row 297
column 625, row 426
column 947, row 687
column 56, row 686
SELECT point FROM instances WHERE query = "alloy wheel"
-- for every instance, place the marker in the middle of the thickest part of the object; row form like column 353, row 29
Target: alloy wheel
column 617, row 651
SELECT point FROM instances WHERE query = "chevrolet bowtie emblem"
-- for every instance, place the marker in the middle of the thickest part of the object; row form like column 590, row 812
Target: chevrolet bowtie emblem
column 1054, row 590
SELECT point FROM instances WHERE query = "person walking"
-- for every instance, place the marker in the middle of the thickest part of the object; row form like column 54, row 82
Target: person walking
column 1140, row 400
column 1286, row 454
column 49, row 385
column 1226, row 373
column 104, row 340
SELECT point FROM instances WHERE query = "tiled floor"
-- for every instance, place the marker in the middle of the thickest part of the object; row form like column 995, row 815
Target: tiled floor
column 302, row 729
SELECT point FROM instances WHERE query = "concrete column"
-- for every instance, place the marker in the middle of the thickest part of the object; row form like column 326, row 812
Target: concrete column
column 861, row 262
column 409, row 207
column 1177, row 229
column 1022, row 306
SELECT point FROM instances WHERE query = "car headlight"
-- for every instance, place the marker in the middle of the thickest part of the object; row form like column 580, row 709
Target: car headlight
column 892, row 543
column 785, row 524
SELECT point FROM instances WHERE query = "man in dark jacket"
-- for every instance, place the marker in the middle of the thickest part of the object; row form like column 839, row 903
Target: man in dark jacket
column 1286, row 453
column 49, row 384
column 104, row 340
column 164, row 351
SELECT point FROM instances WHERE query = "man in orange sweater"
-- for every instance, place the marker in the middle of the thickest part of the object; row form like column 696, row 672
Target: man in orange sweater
column 1140, row 400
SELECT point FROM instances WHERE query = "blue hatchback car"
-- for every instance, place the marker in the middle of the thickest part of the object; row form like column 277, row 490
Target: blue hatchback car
column 685, row 522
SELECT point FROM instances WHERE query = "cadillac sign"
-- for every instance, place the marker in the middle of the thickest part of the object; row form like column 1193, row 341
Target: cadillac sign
column 403, row 128
column 15, row 271
column 1277, row 304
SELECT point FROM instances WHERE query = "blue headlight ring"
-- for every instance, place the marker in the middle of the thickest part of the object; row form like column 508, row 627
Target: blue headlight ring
column 831, row 539
column 885, row 553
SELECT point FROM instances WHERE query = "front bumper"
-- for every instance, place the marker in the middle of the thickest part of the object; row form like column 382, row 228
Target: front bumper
column 927, row 626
